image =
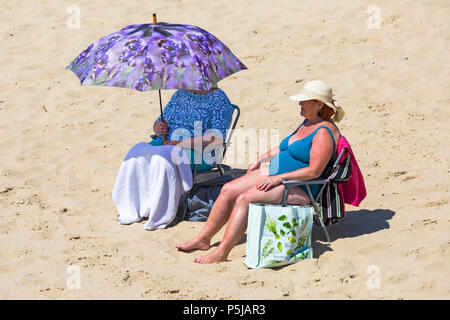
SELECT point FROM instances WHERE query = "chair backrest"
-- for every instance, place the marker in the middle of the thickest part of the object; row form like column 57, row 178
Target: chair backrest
column 231, row 131
column 329, row 202
column 220, row 150
column 341, row 170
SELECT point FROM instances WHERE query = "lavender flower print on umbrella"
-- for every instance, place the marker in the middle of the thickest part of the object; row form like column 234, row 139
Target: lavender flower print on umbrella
column 156, row 56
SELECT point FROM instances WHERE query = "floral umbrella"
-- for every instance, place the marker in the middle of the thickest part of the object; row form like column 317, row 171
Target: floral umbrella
column 155, row 57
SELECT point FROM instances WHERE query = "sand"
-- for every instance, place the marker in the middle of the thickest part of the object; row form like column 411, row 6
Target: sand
column 58, row 163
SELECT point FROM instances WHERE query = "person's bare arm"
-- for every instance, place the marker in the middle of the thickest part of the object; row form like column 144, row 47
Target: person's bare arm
column 319, row 156
column 209, row 139
column 269, row 155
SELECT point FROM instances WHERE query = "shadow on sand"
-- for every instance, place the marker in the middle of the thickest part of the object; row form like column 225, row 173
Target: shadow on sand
column 354, row 224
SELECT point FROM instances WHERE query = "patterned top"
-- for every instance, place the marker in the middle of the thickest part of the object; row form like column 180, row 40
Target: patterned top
column 197, row 113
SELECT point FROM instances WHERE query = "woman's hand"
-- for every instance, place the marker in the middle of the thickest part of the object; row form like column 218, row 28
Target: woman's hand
column 254, row 165
column 269, row 182
column 160, row 128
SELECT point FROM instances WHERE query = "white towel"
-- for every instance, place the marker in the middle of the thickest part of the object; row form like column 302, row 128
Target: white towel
column 150, row 184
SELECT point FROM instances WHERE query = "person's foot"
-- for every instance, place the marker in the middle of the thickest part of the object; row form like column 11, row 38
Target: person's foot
column 194, row 244
column 212, row 257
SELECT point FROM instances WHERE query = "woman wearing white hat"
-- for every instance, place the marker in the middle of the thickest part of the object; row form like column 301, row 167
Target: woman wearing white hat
column 303, row 155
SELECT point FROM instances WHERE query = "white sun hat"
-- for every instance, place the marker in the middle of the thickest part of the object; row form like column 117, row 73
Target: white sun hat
column 319, row 90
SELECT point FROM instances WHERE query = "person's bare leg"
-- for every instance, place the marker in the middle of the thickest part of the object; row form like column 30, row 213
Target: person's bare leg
column 237, row 224
column 221, row 211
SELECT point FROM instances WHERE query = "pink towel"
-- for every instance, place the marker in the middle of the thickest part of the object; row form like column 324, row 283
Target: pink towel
column 352, row 191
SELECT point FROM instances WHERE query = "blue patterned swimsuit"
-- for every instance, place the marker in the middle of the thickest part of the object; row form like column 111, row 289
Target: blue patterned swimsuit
column 295, row 156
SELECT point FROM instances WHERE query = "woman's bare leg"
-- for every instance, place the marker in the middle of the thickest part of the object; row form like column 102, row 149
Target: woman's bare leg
column 237, row 224
column 221, row 210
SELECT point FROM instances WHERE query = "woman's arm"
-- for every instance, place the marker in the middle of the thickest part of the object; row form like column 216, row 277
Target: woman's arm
column 269, row 155
column 208, row 139
column 319, row 156
column 161, row 125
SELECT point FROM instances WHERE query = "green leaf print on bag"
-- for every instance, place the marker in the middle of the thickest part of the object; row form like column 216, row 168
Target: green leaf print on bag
column 303, row 234
column 280, row 246
column 283, row 238
column 287, row 225
column 275, row 261
column 302, row 256
column 266, row 251
column 272, row 227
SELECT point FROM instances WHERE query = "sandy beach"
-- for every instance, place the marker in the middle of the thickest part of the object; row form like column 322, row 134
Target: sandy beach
column 62, row 145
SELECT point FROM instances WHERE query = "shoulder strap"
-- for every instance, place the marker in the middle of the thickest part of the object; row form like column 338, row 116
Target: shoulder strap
column 331, row 134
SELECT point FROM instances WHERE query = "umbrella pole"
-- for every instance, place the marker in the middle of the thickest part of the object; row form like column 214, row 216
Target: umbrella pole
column 160, row 109
column 159, row 92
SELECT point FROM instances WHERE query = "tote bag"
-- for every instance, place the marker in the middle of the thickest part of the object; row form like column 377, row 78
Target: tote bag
column 278, row 235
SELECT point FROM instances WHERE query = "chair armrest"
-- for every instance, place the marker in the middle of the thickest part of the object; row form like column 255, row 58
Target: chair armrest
column 293, row 183
column 222, row 145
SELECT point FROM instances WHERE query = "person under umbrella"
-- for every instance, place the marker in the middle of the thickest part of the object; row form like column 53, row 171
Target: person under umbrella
column 151, row 179
column 162, row 56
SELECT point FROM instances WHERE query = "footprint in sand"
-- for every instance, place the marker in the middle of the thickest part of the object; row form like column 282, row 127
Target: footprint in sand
column 437, row 204
column 6, row 190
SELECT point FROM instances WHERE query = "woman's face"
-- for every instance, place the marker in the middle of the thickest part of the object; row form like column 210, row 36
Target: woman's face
column 310, row 108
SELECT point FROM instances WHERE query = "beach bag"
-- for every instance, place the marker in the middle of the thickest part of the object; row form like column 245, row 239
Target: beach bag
column 278, row 235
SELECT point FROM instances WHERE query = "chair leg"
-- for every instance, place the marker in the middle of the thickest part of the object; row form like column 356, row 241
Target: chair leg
column 316, row 209
column 285, row 194
column 194, row 173
column 324, row 228
column 222, row 172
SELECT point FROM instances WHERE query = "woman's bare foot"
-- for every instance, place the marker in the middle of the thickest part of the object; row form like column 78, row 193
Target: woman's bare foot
column 212, row 257
column 194, row 244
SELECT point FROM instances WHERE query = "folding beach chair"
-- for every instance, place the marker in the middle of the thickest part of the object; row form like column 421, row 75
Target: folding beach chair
column 218, row 166
column 220, row 151
column 328, row 203
column 202, row 177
